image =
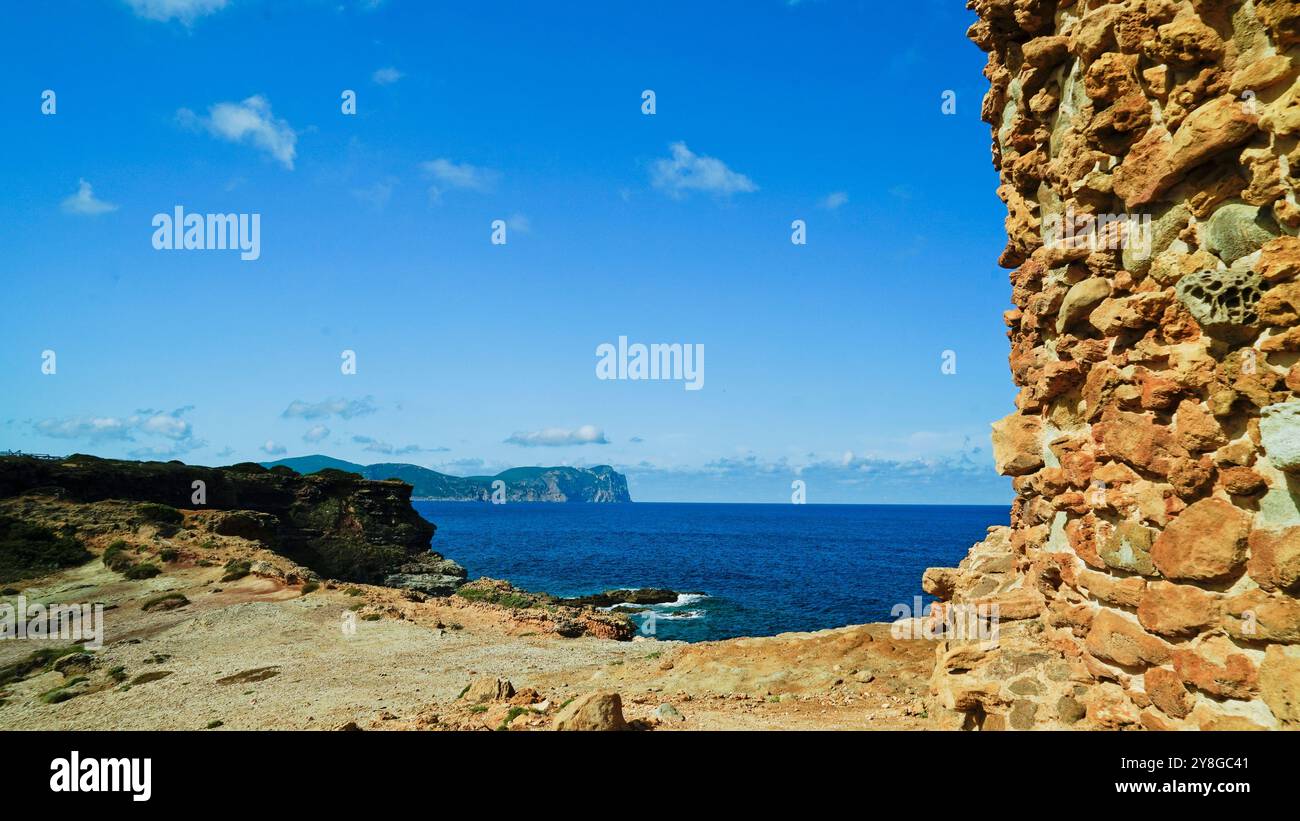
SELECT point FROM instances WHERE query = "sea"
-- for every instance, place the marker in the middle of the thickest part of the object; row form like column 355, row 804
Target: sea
column 741, row 569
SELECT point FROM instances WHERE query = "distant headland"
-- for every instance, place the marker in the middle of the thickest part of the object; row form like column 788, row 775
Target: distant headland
column 600, row 483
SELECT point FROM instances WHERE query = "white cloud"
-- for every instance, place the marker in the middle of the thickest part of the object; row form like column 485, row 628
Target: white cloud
column 271, row 448
column 315, row 433
column 84, row 202
column 177, row 435
column 378, row 194
column 249, row 122
column 345, row 408
column 834, row 200
column 559, row 437
column 520, row 223
column 186, row 11
column 447, row 175
column 376, row 446
column 386, row 76
column 687, row 171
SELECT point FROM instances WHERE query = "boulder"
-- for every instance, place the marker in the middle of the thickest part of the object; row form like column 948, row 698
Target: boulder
column 483, row 690
column 592, row 711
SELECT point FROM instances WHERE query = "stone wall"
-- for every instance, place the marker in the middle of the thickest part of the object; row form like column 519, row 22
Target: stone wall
column 1150, row 573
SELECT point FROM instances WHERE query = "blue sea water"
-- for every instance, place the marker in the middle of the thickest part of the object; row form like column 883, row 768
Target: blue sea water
column 764, row 568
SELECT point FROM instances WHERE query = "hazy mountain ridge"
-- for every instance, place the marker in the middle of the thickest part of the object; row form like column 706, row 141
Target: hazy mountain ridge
column 524, row 484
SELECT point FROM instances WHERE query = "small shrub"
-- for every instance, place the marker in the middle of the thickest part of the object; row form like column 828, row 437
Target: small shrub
column 371, row 617
column 116, row 558
column 310, row 587
column 478, row 708
column 354, row 591
column 160, row 514
column 212, row 725
column 169, row 554
column 236, row 569
column 167, row 601
column 335, row 473
column 39, row 661
column 152, row 675
column 62, row 692
column 28, row 550
column 142, row 571
column 515, row 712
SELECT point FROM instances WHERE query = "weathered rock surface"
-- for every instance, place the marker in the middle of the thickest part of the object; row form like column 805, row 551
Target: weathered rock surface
column 338, row 525
column 1153, row 553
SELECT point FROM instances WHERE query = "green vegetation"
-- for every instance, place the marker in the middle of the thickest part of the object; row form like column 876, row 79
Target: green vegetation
column 212, row 725
column 152, row 675
column 371, row 617
column 63, row 691
column 515, row 599
column 169, row 554
column 167, row 601
column 354, row 591
column 250, row 676
column 237, row 569
column 160, row 514
column 28, row 550
column 118, row 674
column 335, row 473
column 310, row 587
column 40, row 661
column 515, row 712
column 142, row 571
column 478, row 708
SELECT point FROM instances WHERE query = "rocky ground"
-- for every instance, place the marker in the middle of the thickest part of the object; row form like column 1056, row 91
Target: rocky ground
column 231, row 635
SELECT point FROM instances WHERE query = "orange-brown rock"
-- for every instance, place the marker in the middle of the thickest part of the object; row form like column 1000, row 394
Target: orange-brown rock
column 1275, row 559
column 1126, row 591
column 1207, row 541
column 1017, row 444
column 1167, row 691
column 1117, row 639
column 1218, row 668
column 1242, row 481
column 1260, row 616
column 1177, row 609
column 1279, row 683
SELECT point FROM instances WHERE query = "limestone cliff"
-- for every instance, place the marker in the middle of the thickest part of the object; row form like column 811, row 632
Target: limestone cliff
column 1149, row 577
column 338, row 525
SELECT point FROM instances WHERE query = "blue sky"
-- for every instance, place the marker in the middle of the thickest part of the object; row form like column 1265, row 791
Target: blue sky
column 823, row 360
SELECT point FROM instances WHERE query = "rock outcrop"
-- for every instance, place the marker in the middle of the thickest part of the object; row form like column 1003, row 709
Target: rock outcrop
column 599, row 484
column 1149, row 576
column 336, row 524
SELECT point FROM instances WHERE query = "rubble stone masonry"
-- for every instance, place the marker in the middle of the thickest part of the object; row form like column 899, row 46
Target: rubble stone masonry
column 1149, row 155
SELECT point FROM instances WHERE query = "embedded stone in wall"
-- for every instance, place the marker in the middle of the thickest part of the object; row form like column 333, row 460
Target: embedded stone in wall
column 1224, row 303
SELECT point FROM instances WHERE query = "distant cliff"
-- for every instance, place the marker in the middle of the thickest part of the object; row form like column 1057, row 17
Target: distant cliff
column 528, row 484
column 336, row 524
